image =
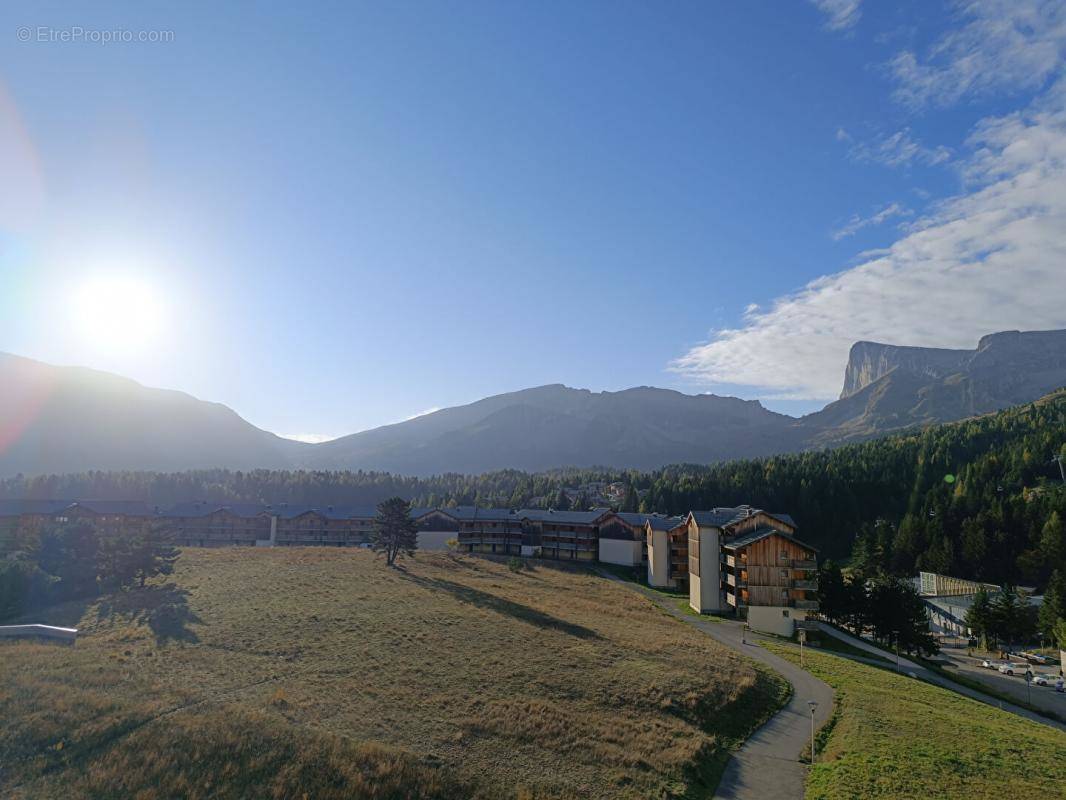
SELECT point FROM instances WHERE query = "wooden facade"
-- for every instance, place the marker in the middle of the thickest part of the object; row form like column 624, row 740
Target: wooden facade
column 773, row 570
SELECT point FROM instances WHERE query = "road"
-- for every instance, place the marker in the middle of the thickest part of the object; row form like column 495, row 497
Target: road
column 1044, row 697
column 767, row 766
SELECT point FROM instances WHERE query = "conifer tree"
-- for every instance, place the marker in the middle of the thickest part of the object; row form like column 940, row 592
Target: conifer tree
column 395, row 533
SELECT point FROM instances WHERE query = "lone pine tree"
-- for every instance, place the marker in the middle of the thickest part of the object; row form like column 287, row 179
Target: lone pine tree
column 394, row 533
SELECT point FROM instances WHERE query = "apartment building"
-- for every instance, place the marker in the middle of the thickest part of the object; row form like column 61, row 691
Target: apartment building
column 562, row 535
column 667, row 552
column 29, row 517
column 748, row 561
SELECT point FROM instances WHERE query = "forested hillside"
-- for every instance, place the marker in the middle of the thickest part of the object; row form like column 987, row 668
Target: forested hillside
column 980, row 498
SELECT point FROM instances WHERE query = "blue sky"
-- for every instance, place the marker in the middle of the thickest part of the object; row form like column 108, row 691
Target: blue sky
column 346, row 214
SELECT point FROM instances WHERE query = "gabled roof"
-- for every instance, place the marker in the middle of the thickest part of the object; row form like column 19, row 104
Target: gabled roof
column 138, row 508
column 15, row 508
column 720, row 517
column 203, row 509
column 561, row 517
column 724, row 517
column 762, row 532
column 660, row 523
column 472, row 513
column 785, row 518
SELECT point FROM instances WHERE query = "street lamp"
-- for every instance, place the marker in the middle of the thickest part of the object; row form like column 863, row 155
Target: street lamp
column 813, row 705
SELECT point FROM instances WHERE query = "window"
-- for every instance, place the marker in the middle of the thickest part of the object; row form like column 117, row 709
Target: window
column 784, row 555
column 784, row 573
column 784, row 612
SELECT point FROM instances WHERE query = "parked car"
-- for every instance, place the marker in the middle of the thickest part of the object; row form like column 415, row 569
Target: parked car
column 1010, row 668
column 988, row 663
column 1035, row 658
column 1045, row 679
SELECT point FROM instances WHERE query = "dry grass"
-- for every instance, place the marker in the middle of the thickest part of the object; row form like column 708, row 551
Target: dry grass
column 897, row 737
column 323, row 671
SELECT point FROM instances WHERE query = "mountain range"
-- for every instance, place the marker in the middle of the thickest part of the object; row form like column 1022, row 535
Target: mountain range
column 70, row 419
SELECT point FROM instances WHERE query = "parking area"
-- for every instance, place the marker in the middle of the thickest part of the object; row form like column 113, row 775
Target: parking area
column 1042, row 696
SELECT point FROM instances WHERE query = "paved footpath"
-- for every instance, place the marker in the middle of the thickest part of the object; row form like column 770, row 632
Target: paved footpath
column 767, row 766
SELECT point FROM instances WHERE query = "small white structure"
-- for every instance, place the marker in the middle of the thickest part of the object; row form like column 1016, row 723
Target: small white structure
column 65, row 635
column 777, row 620
column 625, row 552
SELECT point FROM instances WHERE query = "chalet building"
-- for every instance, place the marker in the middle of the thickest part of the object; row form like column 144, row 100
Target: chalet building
column 29, row 517
column 666, row 552
column 562, row 535
column 491, row 531
column 747, row 561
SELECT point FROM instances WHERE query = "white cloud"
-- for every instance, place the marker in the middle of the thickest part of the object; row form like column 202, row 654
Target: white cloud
column 841, row 14
column 991, row 258
column 1001, row 45
column 857, row 223
column 899, row 149
column 309, row 438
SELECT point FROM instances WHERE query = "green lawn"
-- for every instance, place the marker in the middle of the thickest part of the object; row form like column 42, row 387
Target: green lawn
column 280, row 672
column 827, row 643
column 897, row 737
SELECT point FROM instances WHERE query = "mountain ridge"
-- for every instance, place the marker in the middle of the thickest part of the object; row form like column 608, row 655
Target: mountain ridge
column 68, row 419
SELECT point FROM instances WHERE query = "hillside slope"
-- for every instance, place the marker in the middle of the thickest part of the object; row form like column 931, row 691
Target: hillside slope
column 277, row 672
column 63, row 419
column 551, row 426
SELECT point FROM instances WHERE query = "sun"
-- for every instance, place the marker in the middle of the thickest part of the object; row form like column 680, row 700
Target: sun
column 117, row 313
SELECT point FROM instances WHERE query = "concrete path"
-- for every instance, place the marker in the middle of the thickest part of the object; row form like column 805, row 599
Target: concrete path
column 767, row 766
column 905, row 664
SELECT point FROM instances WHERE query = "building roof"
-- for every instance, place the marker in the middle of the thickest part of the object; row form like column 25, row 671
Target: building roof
column 785, row 518
column 15, row 508
column 762, row 532
column 561, row 517
column 720, row 517
column 473, row 513
column 282, row 510
column 660, row 523
column 723, row 517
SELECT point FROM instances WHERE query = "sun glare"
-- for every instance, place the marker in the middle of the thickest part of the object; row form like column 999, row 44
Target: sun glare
column 117, row 314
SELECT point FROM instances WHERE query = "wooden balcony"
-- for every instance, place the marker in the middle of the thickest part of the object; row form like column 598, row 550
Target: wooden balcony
column 810, row 605
column 809, row 585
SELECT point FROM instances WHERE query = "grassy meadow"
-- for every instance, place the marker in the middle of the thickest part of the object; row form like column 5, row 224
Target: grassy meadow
column 322, row 673
column 897, row 737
